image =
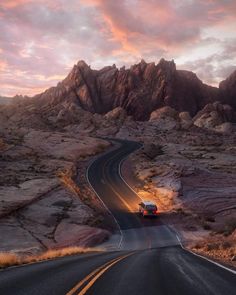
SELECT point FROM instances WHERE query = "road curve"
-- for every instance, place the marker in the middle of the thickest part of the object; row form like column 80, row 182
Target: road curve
column 136, row 233
column 147, row 257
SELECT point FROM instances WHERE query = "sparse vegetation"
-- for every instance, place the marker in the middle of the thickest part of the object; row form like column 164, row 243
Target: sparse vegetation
column 66, row 179
column 9, row 259
column 228, row 228
column 218, row 247
column 231, row 225
column 206, row 226
column 226, row 245
column 212, row 246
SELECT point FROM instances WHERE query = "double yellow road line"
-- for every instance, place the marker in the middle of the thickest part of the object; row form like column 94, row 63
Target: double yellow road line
column 85, row 284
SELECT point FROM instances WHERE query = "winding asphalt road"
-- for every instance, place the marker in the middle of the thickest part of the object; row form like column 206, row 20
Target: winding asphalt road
column 144, row 256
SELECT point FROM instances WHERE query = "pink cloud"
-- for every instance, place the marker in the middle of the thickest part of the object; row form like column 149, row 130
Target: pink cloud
column 45, row 38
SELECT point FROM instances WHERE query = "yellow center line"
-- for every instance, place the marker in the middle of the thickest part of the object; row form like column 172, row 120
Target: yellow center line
column 99, row 271
column 91, row 282
column 76, row 287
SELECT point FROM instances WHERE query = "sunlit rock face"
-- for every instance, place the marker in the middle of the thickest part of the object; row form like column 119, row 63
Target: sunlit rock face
column 216, row 117
column 166, row 118
column 139, row 90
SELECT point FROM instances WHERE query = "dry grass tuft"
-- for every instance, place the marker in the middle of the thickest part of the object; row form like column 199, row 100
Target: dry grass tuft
column 50, row 254
column 218, row 247
column 10, row 259
column 66, row 178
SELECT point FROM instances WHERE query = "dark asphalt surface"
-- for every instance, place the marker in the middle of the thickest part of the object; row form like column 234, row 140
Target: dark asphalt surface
column 157, row 263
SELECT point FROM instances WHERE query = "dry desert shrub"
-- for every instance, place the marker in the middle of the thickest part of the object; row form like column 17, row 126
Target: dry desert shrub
column 66, row 178
column 53, row 253
column 9, row 259
column 228, row 227
column 231, row 225
column 212, row 246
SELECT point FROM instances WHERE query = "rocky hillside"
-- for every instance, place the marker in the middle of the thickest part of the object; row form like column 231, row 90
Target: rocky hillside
column 139, row 90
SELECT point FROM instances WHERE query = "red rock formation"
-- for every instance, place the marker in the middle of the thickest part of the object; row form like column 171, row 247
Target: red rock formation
column 222, row 112
column 139, row 90
column 216, row 117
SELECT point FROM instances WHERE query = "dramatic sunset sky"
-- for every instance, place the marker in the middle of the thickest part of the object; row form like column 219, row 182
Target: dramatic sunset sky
column 40, row 40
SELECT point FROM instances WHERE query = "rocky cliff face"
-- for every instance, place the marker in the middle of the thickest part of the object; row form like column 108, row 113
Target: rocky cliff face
column 228, row 90
column 139, row 90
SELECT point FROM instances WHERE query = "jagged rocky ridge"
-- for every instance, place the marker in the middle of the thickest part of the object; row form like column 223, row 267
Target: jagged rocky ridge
column 139, row 90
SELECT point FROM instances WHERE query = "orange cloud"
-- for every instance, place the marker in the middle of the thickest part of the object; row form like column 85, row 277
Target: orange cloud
column 3, row 65
column 14, row 3
column 121, row 36
column 39, row 39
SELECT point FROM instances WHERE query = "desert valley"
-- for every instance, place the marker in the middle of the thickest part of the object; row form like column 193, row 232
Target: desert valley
column 187, row 163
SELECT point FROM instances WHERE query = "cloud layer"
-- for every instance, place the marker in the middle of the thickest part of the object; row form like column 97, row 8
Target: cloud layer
column 41, row 40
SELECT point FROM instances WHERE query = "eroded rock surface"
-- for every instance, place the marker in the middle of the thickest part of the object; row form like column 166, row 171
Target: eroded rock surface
column 190, row 174
column 41, row 205
column 139, row 90
column 214, row 116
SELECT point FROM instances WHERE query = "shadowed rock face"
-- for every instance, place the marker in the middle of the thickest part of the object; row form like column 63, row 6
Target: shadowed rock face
column 228, row 90
column 139, row 90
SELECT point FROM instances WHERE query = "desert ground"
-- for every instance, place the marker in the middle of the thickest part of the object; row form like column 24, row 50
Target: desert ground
column 186, row 165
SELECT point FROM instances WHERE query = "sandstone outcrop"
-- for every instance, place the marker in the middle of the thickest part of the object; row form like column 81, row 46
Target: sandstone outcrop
column 215, row 116
column 185, row 120
column 163, row 113
column 116, row 114
column 40, row 205
column 166, row 118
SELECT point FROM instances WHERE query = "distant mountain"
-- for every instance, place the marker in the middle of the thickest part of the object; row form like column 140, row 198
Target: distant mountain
column 139, row 90
column 5, row 100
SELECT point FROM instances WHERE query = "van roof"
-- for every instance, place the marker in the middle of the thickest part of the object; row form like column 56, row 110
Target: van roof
column 148, row 203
